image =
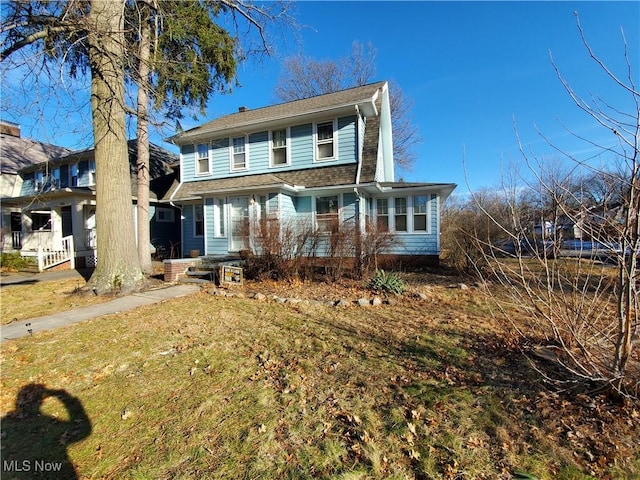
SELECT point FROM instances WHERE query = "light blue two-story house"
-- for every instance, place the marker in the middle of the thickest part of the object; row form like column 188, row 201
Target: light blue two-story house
column 325, row 160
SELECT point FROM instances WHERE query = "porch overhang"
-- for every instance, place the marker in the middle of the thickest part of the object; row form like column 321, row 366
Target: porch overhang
column 46, row 197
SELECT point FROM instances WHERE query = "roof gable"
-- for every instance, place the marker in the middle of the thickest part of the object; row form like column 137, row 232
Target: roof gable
column 17, row 153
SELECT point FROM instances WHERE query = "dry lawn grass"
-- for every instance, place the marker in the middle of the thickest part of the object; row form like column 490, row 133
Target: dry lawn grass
column 210, row 387
column 32, row 300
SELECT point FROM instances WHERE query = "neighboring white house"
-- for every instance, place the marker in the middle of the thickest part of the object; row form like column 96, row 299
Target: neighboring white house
column 52, row 204
column 17, row 153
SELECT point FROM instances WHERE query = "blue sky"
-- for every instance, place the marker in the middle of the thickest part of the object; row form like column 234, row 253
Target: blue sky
column 472, row 69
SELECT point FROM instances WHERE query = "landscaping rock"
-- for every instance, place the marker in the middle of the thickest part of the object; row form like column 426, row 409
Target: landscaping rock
column 376, row 302
column 364, row 302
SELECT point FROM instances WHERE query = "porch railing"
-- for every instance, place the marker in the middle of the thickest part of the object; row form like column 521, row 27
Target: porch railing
column 50, row 258
column 16, row 240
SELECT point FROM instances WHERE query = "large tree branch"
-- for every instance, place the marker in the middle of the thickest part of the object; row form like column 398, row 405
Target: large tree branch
column 30, row 39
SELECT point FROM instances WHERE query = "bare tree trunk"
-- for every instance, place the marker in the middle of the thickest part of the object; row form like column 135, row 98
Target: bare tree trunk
column 118, row 267
column 142, row 167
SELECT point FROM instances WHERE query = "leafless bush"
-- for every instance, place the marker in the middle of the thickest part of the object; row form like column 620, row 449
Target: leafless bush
column 577, row 309
column 297, row 248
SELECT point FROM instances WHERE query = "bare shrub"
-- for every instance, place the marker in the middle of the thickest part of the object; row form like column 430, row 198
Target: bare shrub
column 576, row 309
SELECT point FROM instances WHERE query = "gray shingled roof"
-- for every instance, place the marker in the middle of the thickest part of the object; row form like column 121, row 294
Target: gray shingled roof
column 309, row 178
column 17, row 153
column 351, row 96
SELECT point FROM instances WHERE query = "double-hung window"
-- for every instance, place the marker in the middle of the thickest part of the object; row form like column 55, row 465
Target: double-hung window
column 238, row 153
column 74, row 174
column 327, row 213
column 382, row 214
column 325, row 141
column 420, row 213
column 400, row 216
column 279, row 147
column 63, row 176
column 202, row 159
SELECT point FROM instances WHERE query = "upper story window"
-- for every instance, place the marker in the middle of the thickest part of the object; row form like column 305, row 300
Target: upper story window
column 74, row 174
column 86, row 173
column 238, row 153
column 279, row 152
column 92, row 172
column 325, row 141
column 202, row 159
column 61, row 174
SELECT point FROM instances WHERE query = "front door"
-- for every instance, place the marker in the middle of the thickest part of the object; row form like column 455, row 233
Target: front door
column 239, row 238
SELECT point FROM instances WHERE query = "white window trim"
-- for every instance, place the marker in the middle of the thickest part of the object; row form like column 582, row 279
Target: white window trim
column 410, row 214
column 92, row 171
column 287, row 148
column 219, row 230
column 427, row 214
column 315, row 209
column 246, row 154
column 392, row 215
column 335, row 142
column 197, row 158
column 376, row 213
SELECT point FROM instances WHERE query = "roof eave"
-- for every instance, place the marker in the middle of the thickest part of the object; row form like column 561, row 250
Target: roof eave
column 366, row 106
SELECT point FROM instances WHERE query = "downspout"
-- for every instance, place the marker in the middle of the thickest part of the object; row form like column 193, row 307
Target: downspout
column 180, row 209
column 359, row 260
column 359, row 169
column 359, row 201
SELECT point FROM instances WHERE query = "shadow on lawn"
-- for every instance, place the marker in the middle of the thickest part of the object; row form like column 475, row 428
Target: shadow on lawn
column 34, row 444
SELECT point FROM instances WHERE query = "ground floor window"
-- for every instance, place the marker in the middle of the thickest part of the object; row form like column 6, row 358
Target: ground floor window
column 420, row 213
column 327, row 213
column 198, row 220
column 400, row 217
column 382, row 214
column 401, row 214
column 41, row 221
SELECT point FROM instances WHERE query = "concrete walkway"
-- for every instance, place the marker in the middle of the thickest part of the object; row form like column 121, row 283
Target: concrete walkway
column 120, row 304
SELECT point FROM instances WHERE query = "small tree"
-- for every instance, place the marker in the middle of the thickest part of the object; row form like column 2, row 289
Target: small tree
column 580, row 314
column 305, row 77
